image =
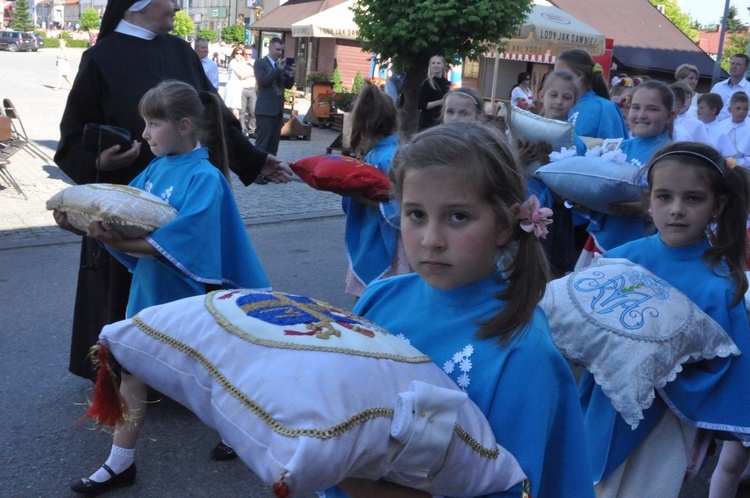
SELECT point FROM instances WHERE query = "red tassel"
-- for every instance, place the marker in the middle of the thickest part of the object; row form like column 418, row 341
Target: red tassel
column 108, row 408
column 280, row 488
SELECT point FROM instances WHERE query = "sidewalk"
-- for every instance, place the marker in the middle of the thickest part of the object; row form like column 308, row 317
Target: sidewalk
column 26, row 222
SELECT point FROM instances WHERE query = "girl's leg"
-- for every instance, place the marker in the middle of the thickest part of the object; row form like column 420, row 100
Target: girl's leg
column 133, row 391
column 732, row 463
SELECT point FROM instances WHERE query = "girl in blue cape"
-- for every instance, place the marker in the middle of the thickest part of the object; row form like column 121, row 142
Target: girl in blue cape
column 471, row 235
column 595, row 115
column 692, row 193
column 651, row 116
column 205, row 247
column 372, row 232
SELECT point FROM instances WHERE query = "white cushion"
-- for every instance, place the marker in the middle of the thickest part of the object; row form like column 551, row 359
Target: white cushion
column 309, row 394
column 527, row 126
column 630, row 329
column 591, row 181
column 134, row 212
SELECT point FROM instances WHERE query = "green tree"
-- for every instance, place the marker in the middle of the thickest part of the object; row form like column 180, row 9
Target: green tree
column 183, row 24
column 359, row 83
column 682, row 21
column 89, row 19
column 411, row 31
column 733, row 19
column 208, row 34
column 735, row 44
column 233, row 34
column 338, row 85
column 21, row 20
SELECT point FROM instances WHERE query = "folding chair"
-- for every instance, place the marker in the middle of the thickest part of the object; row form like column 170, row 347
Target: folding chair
column 9, row 144
column 19, row 131
column 5, row 174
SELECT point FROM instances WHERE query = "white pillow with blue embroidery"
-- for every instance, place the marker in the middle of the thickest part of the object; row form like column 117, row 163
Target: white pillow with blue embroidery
column 308, row 394
column 592, row 182
column 630, row 329
column 134, row 213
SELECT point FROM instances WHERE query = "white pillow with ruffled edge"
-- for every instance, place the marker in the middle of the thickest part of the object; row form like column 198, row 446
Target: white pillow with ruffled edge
column 308, row 394
column 592, row 182
column 630, row 329
column 529, row 127
column 134, row 213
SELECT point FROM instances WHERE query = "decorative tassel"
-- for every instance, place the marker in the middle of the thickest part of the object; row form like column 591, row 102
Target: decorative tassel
column 526, row 492
column 108, row 408
column 280, row 489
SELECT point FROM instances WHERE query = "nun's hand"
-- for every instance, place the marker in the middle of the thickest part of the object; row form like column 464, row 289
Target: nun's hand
column 112, row 159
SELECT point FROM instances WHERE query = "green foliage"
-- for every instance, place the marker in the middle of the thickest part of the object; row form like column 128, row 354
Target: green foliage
column 183, row 24
column 317, row 77
column 66, row 35
column 338, row 86
column 358, row 84
column 208, row 34
column 413, row 30
column 89, row 19
column 233, row 34
column 21, row 20
column 733, row 19
column 735, row 44
column 682, row 21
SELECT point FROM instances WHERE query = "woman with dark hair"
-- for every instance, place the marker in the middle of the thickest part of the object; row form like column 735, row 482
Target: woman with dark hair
column 522, row 96
column 595, row 115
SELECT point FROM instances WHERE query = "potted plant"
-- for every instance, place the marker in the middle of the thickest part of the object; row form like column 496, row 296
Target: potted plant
column 317, row 77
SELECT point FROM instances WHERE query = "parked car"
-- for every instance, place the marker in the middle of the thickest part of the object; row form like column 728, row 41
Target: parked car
column 16, row 41
column 39, row 39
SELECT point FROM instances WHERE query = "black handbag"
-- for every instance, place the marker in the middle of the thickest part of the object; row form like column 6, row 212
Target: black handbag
column 98, row 137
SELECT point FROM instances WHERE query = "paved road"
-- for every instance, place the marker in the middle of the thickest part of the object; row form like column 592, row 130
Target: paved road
column 28, row 80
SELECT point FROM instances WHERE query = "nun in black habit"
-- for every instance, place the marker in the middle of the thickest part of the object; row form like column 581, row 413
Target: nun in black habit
column 133, row 53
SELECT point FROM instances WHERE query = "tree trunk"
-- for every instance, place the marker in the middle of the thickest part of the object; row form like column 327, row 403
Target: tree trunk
column 409, row 115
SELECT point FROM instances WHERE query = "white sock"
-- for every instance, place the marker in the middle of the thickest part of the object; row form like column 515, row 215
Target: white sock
column 119, row 460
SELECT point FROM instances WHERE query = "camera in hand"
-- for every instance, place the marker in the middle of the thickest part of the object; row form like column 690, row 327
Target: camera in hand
column 98, row 137
column 290, row 61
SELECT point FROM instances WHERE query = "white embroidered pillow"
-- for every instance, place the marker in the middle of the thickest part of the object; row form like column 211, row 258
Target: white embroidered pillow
column 591, row 181
column 630, row 329
column 307, row 394
column 134, row 212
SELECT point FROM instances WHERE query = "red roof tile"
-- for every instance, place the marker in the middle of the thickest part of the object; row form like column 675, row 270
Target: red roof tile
column 644, row 38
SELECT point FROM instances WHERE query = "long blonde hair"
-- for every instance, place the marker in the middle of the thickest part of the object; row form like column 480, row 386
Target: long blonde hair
column 430, row 79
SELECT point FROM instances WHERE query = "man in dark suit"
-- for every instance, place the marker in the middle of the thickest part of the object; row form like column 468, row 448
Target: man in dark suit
column 273, row 76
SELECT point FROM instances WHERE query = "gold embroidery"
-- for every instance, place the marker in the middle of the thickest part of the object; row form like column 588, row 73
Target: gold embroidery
column 275, row 425
column 238, row 332
column 491, row 453
column 323, row 328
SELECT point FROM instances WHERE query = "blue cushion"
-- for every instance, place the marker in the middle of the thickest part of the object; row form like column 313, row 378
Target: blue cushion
column 591, row 181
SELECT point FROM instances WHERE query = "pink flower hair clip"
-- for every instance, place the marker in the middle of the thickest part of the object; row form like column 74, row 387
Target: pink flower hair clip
column 533, row 218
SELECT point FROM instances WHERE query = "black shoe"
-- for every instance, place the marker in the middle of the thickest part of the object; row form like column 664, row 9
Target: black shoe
column 86, row 486
column 223, row 452
column 261, row 180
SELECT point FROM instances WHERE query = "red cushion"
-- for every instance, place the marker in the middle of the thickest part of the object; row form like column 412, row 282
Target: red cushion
column 343, row 174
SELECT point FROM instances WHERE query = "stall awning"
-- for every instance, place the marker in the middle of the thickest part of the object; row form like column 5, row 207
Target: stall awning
column 282, row 17
column 336, row 22
column 549, row 30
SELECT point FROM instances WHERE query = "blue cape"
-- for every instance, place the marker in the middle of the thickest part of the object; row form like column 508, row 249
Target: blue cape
column 206, row 243
column 372, row 234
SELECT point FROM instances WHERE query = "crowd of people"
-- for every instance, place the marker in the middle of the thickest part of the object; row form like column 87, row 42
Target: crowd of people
column 456, row 260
